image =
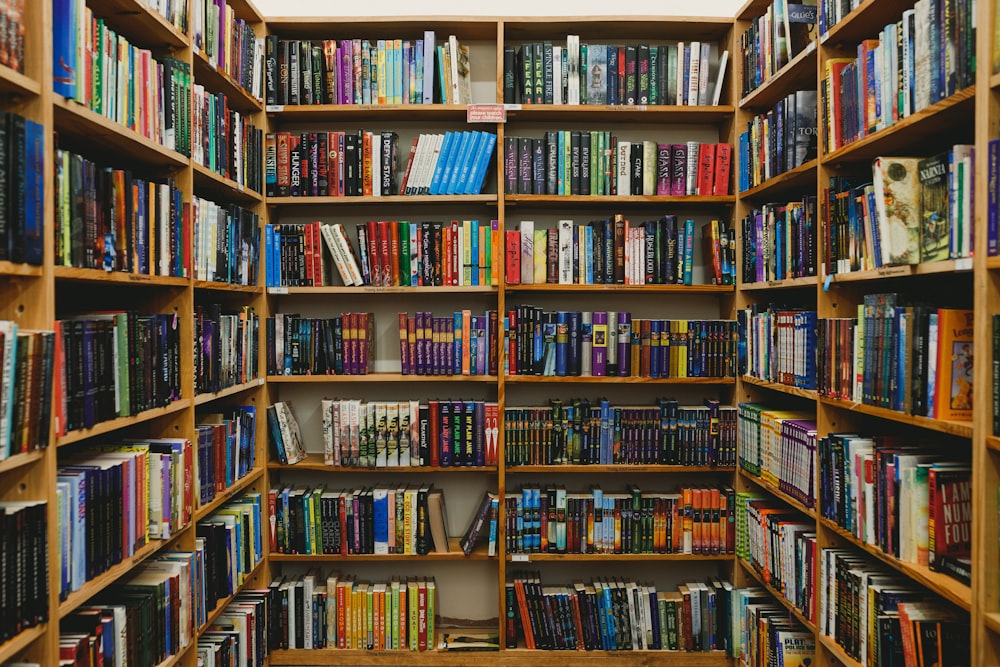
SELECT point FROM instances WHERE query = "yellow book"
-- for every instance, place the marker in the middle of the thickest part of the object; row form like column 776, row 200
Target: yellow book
column 541, row 240
column 466, row 341
column 481, row 260
column 411, row 590
column 380, row 71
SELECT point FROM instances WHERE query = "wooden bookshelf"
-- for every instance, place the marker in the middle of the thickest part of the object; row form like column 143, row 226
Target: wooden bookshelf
column 785, row 284
column 799, row 72
column 16, row 461
column 315, row 463
column 317, row 113
column 209, row 184
column 888, row 272
column 111, row 425
column 108, row 578
column 221, row 498
column 17, row 85
column 791, row 181
column 10, row 648
column 795, row 611
column 786, row 498
column 678, row 202
column 16, row 269
column 581, row 379
column 71, row 273
column 397, row 289
column 436, row 200
column 140, row 23
column 507, row 657
column 614, row 558
column 378, row 377
column 204, row 399
column 810, row 394
column 455, row 554
column 961, row 429
column 626, row 468
column 616, row 113
column 670, row 288
column 837, row 652
column 213, row 286
column 224, row 602
column 862, row 22
column 238, row 98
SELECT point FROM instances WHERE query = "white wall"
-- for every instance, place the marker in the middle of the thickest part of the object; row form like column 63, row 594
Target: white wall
column 725, row 8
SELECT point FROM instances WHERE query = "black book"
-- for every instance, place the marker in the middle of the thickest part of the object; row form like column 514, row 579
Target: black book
column 538, row 166
column 390, row 142
column 631, row 82
column 527, row 73
column 525, row 164
column 352, row 170
column 509, row 75
column 548, row 83
column 643, row 74
column 574, row 184
column 635, row 155
column 585, row 146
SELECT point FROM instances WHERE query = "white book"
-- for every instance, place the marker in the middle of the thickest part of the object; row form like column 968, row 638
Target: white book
column 921, row 55
column 907, row 65
column 694, row 73
column 557, row 70
column 624, row 170
column 527, row 229
column 706, row 52
column 429, row 162
column 565, row 252
column 586, row 342
column 413, row 180
column 720, row 77
column 692, row 168
column 329, row 238
column 455, row 88
column 573, row 69
column 648, row 167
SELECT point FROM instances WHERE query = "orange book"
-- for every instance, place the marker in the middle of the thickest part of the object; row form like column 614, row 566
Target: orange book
column 496, row 252
column 466, row 341
column 715, row 544
column 706, row 169
column 697, row 522
column 677, row 526
column 953, row 388
column 688, row 518
column 366, row 163
column 522, row 604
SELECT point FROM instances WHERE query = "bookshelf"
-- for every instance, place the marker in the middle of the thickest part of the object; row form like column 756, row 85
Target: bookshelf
column 38, row 296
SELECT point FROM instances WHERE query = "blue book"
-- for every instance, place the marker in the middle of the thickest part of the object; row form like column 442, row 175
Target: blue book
column 428, row 71
column 562, row 343
column 588, row 255
column 456, row 367
column 612, row 84
column 562, row 187
column 460, row 177
column 269, row 255
column 573, row 358
column 655, row 336
column 380, row 517
column 606, row 426
column 688, row 250
column 459, row 161
column 442, row 159
column 477, row 175
column 64, row 35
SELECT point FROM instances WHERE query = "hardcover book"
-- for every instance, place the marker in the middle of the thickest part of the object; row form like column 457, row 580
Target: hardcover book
column 897, row 202
column 953, row 391
column 934, row 208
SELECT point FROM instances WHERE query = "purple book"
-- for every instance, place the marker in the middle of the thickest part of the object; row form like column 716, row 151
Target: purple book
column 600, row 344
column 479, row 329
column 363, row 324
column 448, row 348
column 759, row 247
column 624, row 343
column 418, row 361
column 445, row 431
column 346, row 71
column 678, row 169
column 436, row 328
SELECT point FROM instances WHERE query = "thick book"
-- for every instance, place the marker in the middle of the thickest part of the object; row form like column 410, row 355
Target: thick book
column 897, row 202
column 935, row 223
column 953, row 392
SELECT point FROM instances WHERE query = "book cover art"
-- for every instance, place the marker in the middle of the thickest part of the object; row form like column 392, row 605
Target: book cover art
column 795, row 648
column 934, row 208
column 597, row 75
column 949, row 528
column 897, row 200
column 953, row 391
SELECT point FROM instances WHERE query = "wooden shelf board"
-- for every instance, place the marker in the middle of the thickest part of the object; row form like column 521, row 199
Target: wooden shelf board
column 558, row 201
column 341, row 27
column 121, row 422
column 386, row 199
column 837, row 652
column 864, row 21
column 18, row 269
column 759, row 578
column 224, row 602
column 218, row 81
column 616, row 468
column 960, row 428
column 991, row 620
column 634, row 28
column 210, row 184
column 344, row 112
column 789, row 500
column 16, row 84
column 787, row 283
column 993, row 262
column 751, row 9
column 887, row 272
column 76, row 120
column 21, row 641
column 177, row 657
column 937, row 582
column 316, row 463
column 139, row 23
column 783, row 388
column 246, row 10
column 202, row 399
column 222, row 498
column 378, row 377
column 907, row 135
column 455, row 554
column 793, row 180
column 519, row 657
column 227, row 287
column 590, row 379
column 72, row 273
column 798, row 71
column 993, row 442
column 20, row 460
column 102, row 581
column 617, row 558
column 340, row 289
column 643, row 113
column 672, row 288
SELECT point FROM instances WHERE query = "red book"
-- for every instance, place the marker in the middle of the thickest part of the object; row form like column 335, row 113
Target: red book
column 373, row 257
column 394, row 253
column 455, row 254
column 723, row 158
column 409, row 165
column 272, row 518
column 385, row 261
column 949, row 521
column 434, row 419
column 316, row 254
column 706, row 168
column 512, row 255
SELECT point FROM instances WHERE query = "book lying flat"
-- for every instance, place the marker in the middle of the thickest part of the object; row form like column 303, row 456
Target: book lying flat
column 470, row 641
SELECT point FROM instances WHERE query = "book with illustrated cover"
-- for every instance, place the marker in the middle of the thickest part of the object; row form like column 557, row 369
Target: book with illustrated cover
column 953, row 390
column 897, row 201
column 934, row 208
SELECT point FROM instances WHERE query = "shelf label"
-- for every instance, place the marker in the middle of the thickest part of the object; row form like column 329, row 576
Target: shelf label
column 486, row 113
column 260, row 382
column 274, row 108
column 277, row 290
column 889, row 271
column 512, row 107
column 963, row 264
column 520, row 558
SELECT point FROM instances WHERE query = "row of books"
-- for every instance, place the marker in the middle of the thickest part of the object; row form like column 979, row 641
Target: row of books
column 616, row 614
column 247, row 626
column 226, row 141
column 175, row 11
column 229, row 43
column 22, row 169
column 779, row 345
column 773, row 40
column 926, row 56
column 768, row 634
column 116, row 220
column 598, row 74
column 234, row 540
column 581, row 432
column 363, row 71
column 226, row 242
column 110, row 76
column 778, row 140
column 409, row 519
column 227, row 347
column 779, row 447
column 457, row 344
column 284, row 433
column 24, row 559
column 342, row 345
column 114, row 364
column 12, row 48
column 780, row 545
column 547, row 519
column 226, row 450
column 879, row 617
column 915, row 359
column 389, row 253
column 611, row 343
column 616, row 251
column 341, row 611
column 912, row 502
column 25, row 388
column 113, row 501
column 779, row 241
column 455, row 163
column 389, row 434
